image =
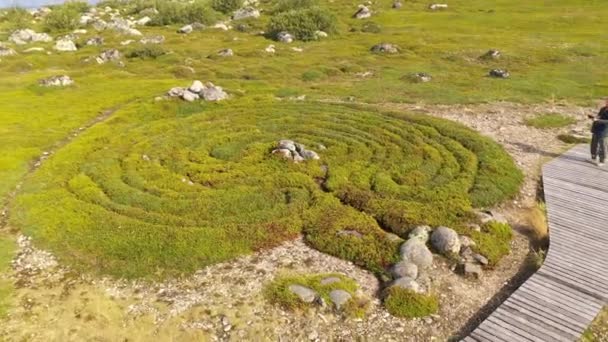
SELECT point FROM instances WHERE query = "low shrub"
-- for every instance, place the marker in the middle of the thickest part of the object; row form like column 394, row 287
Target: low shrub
column 146, row 52
column 65, row 17
column 409, row 304
column 550, row 120
column 312, row 75
column 16, row 18
column 288, row 5
column 494, row 241
column 226, row 6
column 170, row 12
column 303, row 23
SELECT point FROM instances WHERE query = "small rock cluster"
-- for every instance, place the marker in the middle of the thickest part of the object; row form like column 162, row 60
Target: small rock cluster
column 499, row 73
column 415, row 257
column 186, row 29
column 246, row 13
column 290, row 150
column 94, row 41
column 198, row 90
column 56, row 81
column 338, row 297
column 22, row 37
column 152, row 40
column 363, row 12
column 285, row 37
column 65, row 44
column 108, row 56
column 385, row 48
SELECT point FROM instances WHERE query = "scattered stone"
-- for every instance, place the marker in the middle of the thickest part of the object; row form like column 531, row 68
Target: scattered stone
column 304, row 293
column 196, row 87
column 21, row 37
column 176, row 92
column 143, row 21
column 100, row 25
column 245, row 13
column 339, row 297
column 330, row 280
column 285, row 37
column 397, row 5
column 65, row 44
column 225, row 53
column 422, row 77
column 108, row 55
column 221, row 26
column 466, row 241
column 499, row 73
column 208, row 91
column 417, row 252
column 212, row 92
column 80, row 31
column 421, row 233
column 471, row 269
column 95, row 41
column 407, row 283
column 491, row 54
column 298, row 152
column 385, row 48
column 363, row 12
column 270, row 49
column 189, row 96
column 446, row 241
column 153, row 40
column 185, row 29
column 480, row 259
column 6, row 51
column 297, row 49
column 405, row 269
column 435, row 7
column 56, row 81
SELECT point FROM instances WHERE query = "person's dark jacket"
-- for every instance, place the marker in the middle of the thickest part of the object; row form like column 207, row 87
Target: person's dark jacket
column 601, row 127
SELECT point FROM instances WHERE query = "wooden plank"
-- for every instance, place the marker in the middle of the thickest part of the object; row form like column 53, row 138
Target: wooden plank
column 580, row 282
column 556, row 316
column 575, row 312
column 568, row 261
column 549, row 295
column 503, row 333
column 546, row 318
column 571, row 314
column 536, row 328
column 515, row 330
column 548, row 282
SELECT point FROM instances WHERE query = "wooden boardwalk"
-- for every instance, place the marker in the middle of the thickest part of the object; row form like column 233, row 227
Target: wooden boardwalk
column 561, row 299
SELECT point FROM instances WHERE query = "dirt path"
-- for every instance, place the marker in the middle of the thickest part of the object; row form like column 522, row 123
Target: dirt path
column 224, row 301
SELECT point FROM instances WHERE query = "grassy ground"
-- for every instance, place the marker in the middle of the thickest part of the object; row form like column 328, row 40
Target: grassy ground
column 598, row 331
column 544, row 121
column 7, row 246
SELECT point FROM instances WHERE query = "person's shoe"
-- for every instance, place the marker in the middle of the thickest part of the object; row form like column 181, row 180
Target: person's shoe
column 593, row 160
column 600, row 164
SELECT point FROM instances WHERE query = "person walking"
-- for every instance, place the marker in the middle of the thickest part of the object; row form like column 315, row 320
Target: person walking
column 599, row 140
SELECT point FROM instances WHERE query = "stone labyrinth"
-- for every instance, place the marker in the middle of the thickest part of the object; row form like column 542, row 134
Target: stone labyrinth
column 157, row 193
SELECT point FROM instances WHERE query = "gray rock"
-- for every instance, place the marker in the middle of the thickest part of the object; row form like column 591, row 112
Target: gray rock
column 185, row 29
column 284, row 37
column 417, row 252
column 94, row 41
column 394, row 237
column 435, row 7
column 339, row 297
column 100, row 25
column 284, row 153
column 108, row 56
column 446, row 241
column 321, row 34
column 480, row 259
column 21, row 37
column 308, row 155
column 486, row 216
column 176, row 92
column 405, row 269
column 225, row 53
column 245, row 13
column 472, row 270
column 305, row 294
column 65, row 45
column 422, row 77
column 196, row 87
column 297, row 158
column 407, row 283
column 330, row 280
column 499, row 73
column 153, row 39
column 6, row 51
column 421, row 233
column 385, row 48
column 143, row 21
column 56, row 81
column 189, row 96
column 363, row 12
column 288, row 145
column 466, row 241
column 491, row 54
column 397, row 5
column 212, row 92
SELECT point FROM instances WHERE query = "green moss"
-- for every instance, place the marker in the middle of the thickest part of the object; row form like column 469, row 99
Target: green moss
column 494, row 241
column 406, row 303
column 277, row 292
column 550, row 120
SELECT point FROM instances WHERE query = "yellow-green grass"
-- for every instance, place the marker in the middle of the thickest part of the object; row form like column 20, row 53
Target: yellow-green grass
column 278, row 292
column 166, row 187
column 550, row 120
column 7, row 247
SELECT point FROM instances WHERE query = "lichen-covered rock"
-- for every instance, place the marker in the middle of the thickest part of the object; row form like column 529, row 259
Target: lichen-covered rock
column 56, row 81
column 421, row 233
column 305, row 294
column 405, row 269
column 212, row 92
column 65, row 44
column 185, row 29
column 407, row 283
column 94, row 41
column 21, row 37
column 108, row 56
column 189, row 96
column 446, row 241
column 225, row 53
column 417, row 252
column 385, row 48
column 491, row 54
column 499, row 73
column 6, row 51
column 152, row 40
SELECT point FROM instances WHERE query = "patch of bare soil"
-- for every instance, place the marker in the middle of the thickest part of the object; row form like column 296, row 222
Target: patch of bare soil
column 225, row 302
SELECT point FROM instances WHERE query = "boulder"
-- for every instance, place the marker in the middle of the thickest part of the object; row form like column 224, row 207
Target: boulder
column 416, row 252
column 189, row 96
column 283, row 153
column 152, row 39
column 305, row 294
column 143, row 21
column 339, row 297
column 385, row 48
column 6, row 51
column 363, row 12
column 397, row 5
column 245, row 13
column 221, row 26
column 95, row 41
column 65, row 44
column 288, row 145
column 308, row 155
column 21, row 37
column 446, row 241
column 421, row 233
column 285, row 37
column 185, row 29
column 405, row 269
column 225, row 53
column 196, row 87
column 108, row 55
column 407, row 283
column 321, row 34
column 56, row 81
column 499, row 73
column 85, row 19
column 212, row 92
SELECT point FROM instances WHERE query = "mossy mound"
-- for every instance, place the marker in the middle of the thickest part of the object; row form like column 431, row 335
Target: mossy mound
column 166, row 188
column 406, row 303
